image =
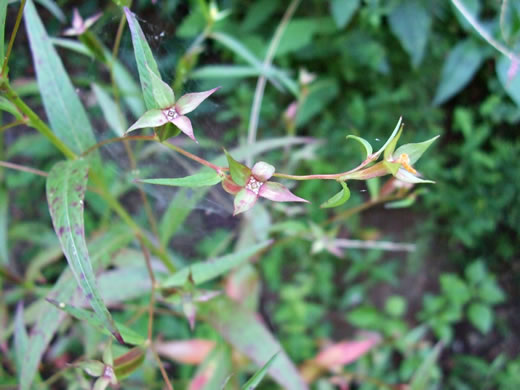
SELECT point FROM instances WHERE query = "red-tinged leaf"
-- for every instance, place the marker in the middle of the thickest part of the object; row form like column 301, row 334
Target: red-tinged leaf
column 278, row 193
column 345, row 352
column 66, row 186
column 184, row 125
column 151, row 118
column 230, row 187
column 214, row 371
column 245, row 332
column 191, row 101
column 186, row 351
column 244, row 200
column 125, row 364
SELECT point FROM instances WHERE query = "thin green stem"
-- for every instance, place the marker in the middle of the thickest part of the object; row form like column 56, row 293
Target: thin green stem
column 260, row 85
column 13, row 37
column 13, row 124
column 35, row 121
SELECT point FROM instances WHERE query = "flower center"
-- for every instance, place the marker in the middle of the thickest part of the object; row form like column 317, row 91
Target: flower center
column 172, row 114
column 254, row 185
column 404, row 160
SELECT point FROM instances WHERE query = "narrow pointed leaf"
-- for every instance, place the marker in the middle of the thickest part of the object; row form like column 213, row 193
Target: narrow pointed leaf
column 184, row 125
column 259, row 375
column 144, row 59
column 3, row 14
column 364, row 142
column 129, row 362
column 66, row 186
column 403, row 175
column 394, row 133
column 278, row 193
column 63, row 107
column 208, row 270
column 392, row 167
column 151, row 118
column 415, row 150
column 21, row 339
column 189, row 102
column 113, row 116
column 129, row 335
column 248, row 335
column 239, row 172
column 244, row 200
column 162, row 93
column 201, row 179
column 338, row 199
column 389, row 150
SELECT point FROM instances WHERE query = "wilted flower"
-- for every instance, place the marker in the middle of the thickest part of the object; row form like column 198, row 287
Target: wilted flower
column 170, row 110
column 249, row 184
column 79, row 26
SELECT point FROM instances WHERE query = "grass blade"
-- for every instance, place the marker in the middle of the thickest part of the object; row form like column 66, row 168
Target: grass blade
column 66, row 187
column 63, row 107
column 20, row 338
column 201, row 179
column 3, row 13
column 115, row 119
column 4, row 201
column 259, row 375
column 205, row 271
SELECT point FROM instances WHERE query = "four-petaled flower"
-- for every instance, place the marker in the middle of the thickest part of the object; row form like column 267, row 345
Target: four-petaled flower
column 249, row 184
column 79, row 26
column 170, row 110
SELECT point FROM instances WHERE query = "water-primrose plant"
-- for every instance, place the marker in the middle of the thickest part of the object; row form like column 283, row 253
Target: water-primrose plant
column 124, row 264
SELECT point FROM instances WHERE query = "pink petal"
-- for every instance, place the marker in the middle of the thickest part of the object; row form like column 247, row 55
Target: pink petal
column 345, row 352
column 77, row 21
column 191, row 101
column 91, row 20
column 244, row 200
column 186, row 351
column 513, row 70
column 262, row 171
column 278, row 193
column 151, row 118
column 184, row 125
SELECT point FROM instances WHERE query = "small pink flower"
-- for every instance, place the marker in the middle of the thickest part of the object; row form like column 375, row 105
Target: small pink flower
column 170, row 110
column 80, row 26
column 249, row 184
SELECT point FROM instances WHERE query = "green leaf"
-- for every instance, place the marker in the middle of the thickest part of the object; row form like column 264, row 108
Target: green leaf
column 129, row 335
column 395, row 305
column 455, row 288
column 239, row 172
column 490, row 292
column 297, row 35
column 144, row 58
column 389, row 150
column 410, row 22
column 338, row 199
column 321, row 93
column 424, row 373
column 481, row 316
column 4, row 202
column 66, row 186
column 364, row 143
column 476, row 272
column 414, row 150
column 7, row 106
column 63, row 107
column 259, row 375
column 151, row 118
column 225, row 71
column 458, row 69
column 204, row 271
column 21, row 338
column 247, row 334
column 343, row 10
column 3, row 14
column 162, row 93
column 201, row 179
column 511, row 86
column 129, row 362
column 113, row 116
column 390, row 139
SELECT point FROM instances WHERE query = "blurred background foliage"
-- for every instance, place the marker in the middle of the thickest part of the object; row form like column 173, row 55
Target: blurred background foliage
column 373, row 61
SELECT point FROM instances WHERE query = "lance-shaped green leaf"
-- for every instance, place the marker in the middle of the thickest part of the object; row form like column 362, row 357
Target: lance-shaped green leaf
column 127, row 363
column 259, row 375
column 364, row 143
column 66, row 186
column 144, row 59
column 338, row 199
column 208, row 270
column 63, row 107
column 390, row 139
column 245, row 332
column 21, row 339
column 3, row 14
column 201, row 179
column 389, row 150
column 162, row 93
column 414, row 150
column 239, row 172
column 129, row 335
